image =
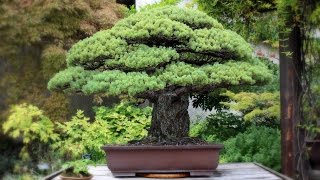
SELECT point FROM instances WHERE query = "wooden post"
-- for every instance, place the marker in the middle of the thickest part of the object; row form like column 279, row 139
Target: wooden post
column 290, row 90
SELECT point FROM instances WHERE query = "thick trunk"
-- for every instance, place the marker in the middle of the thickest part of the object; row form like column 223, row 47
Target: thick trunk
column 170, row 118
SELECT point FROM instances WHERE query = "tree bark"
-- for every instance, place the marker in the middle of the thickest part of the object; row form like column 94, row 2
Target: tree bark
column 170, row 118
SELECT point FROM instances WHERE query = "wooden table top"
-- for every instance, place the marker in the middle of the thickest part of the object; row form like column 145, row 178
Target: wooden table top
column 229, row 171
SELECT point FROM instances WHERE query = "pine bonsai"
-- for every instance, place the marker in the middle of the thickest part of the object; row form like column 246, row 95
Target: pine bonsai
column 162, row 55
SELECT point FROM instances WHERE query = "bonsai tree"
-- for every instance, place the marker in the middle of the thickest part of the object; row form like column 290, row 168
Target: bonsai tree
column 161, row 55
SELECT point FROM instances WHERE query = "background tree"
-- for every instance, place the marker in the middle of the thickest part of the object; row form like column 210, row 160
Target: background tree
column 296, row 24
column 162, row 55
column 261, row 108
column 257, row 22
column 35, row 36
column 253, row 19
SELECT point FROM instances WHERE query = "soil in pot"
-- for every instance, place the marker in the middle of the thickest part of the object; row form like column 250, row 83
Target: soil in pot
column 163, row 142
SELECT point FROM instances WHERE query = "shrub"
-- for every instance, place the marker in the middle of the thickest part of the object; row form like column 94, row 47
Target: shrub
column 116, row 125
column 219, row 127
column 261, row 108
column 125, row 122
column 28, row 123
column 257, row 144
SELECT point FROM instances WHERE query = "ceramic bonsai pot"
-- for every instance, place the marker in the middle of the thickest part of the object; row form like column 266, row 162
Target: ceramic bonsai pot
column 197, row 160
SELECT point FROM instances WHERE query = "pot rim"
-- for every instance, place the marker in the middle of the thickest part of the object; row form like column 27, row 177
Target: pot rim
column 164, row 147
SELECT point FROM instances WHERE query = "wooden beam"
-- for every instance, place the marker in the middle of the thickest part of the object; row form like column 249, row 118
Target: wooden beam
column 290, row 90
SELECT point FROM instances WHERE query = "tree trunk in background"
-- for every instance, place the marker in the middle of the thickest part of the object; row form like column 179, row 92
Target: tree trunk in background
column 170, row 118
column 290, row 91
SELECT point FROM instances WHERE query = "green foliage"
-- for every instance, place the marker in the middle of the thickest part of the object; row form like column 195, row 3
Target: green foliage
column 116, row 125
column 210, row 101
column 35, row 36
column 311, row 104
column 149, row 28
column 26, row 176
column 315, row 16
column 58, row 20
column 287, row 6
column 232, row 73
column 161, row 3
column 257, row 144
column 166, row 22
column 265, row 29
column 145, row 57
column 274, row 84
column 53, row 59
column 219, row 127
column 213, row 99
column 79, row 168
column 199, row 19
column 102, row 44
column 68, row 76
column 74, row 138
column 258, row 107
column 242, row 141
column 311, row 72
column 254, row 19
column 216, row 40
column 29, row 123
column 116, row 82
column 126, row 122
column 157, row 48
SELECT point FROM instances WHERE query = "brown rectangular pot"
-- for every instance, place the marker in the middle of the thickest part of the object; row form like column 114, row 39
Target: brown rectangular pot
column 198, row 160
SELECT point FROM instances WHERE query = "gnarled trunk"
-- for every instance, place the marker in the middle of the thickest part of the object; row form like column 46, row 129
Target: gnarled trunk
column 170, row 118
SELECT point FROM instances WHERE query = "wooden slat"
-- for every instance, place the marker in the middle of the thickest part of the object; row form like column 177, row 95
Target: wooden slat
column 230, row 171
column 282, row 176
